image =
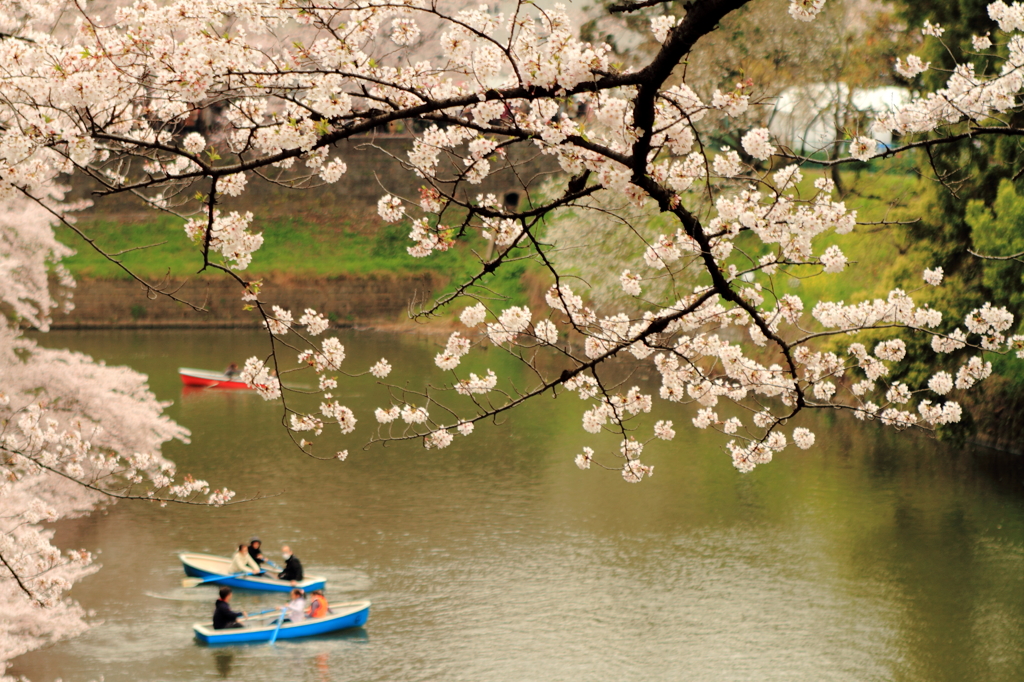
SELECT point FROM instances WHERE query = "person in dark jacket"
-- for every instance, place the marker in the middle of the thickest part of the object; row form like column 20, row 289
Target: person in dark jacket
column 223, row 616
column 254, row 551
column 292, row 566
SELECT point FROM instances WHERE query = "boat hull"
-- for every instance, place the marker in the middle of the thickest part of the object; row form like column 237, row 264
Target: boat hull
column 349, row 615
column 204, row 378
column 209, row 566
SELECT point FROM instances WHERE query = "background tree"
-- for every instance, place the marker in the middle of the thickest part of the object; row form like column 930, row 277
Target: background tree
column 852, row 45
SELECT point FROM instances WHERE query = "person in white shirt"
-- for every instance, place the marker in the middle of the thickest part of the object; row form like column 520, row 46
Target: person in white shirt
column 296, row 609
column 241, row 562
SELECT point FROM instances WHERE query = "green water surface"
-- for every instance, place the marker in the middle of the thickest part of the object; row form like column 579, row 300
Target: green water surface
column 875, row 556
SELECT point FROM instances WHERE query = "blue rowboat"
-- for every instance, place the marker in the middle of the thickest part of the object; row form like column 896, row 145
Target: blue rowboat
column 349, row 615
column 209, row 565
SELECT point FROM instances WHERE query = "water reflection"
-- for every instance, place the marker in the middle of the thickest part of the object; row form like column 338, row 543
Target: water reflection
column 878, row 557
column 222, row 660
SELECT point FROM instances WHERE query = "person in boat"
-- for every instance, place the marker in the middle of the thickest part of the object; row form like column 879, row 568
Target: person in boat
column 231, row 371
column 254, row 552
column 317, row 605
column 292, row 566
column 241, row 562
column 223, row 616
column 296, row 609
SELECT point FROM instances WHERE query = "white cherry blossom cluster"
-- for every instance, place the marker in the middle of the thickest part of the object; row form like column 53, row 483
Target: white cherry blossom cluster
column 933, row 276
column 342, row 416
column 428, row 239
column 475, row 385
column 733, row 102
column 412, row 414
column 314, row 322
column 757, row 143
column 390, row 208
column 280, row 321
column 863, row 148
column 471, row 316
column 456, row 347
column 381, row 369
column 228, row 235
column 806, row 10
column 967, row 96
column 584, row 459
column 912, row 67
column 256, row 374
column 512, row 321
column 661, row 25
column 631, row 283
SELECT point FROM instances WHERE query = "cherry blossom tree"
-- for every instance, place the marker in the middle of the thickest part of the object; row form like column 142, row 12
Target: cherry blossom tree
column 73, row 434
column 109, row 96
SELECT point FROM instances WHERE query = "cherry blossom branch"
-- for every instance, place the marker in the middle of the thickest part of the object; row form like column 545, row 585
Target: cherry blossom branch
column 1015, row 257
column 21, row 585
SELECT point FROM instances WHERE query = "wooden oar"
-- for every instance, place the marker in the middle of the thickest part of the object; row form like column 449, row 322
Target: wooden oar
column 264, row 616
column 259, row 615
column 192, row 582
column 280, row 621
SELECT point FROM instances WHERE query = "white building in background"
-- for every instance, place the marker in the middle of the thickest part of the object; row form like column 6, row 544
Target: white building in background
column 810, row 118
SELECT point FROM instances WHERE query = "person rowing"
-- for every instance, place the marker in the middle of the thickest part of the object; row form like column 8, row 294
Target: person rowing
column 241, row 562
column 295, row 612
column 223, row 616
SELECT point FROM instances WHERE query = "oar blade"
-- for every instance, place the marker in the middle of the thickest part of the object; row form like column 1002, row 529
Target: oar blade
column 280, row 621
column 192, row 582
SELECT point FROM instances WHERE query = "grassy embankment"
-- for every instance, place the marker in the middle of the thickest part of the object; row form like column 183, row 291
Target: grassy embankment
column 293, row 248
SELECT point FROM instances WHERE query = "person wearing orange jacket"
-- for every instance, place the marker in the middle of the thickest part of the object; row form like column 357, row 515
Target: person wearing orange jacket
column 317, row 605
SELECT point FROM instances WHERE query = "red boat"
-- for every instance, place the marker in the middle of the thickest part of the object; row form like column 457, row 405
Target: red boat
column 204, row 378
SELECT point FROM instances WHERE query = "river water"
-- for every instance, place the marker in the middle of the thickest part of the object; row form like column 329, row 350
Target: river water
column 875, row 557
